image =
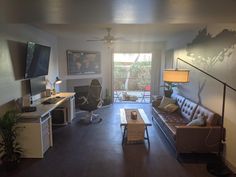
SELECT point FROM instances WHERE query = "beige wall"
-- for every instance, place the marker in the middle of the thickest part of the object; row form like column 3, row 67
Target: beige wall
column 65, row 44
column 106, row 59
column 12, row 87
column 207, row 91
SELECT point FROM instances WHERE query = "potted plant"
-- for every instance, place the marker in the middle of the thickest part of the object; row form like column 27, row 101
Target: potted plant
column 9, row 148
column 168, row 88
column 107, row 99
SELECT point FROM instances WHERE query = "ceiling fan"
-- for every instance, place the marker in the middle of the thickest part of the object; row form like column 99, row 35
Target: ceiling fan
column 109, row 39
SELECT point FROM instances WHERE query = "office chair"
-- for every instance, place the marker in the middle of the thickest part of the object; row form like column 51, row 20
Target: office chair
column 92, row 101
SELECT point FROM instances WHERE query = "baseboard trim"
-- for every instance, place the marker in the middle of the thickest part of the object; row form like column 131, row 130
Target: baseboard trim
column 230, row 166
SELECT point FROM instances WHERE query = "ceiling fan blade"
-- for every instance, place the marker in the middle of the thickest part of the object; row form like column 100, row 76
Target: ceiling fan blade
column 118, row 38
column 108, row 38
column 95, row 40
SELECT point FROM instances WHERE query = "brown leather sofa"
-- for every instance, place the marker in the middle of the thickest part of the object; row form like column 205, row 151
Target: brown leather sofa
column 189, row 139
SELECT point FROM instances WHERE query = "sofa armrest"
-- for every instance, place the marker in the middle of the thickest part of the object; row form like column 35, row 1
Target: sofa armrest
column 197, row 139
column 156, row 102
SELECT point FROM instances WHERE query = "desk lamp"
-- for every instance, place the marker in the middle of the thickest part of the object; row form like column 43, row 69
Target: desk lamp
column 56, row 82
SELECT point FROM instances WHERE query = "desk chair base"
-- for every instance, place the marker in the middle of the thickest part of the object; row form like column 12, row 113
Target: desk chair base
column 91, row 118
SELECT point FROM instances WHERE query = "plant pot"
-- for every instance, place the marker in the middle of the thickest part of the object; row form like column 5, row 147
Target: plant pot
column 11, row 164
column 106, row 101
column 168, row 93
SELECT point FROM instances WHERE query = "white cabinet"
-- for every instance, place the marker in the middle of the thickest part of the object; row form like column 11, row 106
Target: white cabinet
column 35, row 136
column 71, row 109
column 46, row 134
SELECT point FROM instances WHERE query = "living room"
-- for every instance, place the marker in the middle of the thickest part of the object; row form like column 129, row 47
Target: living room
column 206, row 41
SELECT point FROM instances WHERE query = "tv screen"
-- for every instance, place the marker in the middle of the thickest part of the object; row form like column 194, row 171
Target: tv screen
column 37, row 85
column 37, row 60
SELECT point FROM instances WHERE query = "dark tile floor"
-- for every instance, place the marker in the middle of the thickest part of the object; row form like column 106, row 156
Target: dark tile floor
column 95, row 151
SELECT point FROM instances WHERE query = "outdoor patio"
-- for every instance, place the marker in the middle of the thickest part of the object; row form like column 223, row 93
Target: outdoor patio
column 131, row 96
column 131, row 77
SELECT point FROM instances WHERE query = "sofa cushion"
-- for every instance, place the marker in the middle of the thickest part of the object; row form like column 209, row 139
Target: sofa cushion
column 187, row 109
column 179, row 99
column 165, row 101
column 173, row 118
column 171, row 108
column 199, row 121
column 211, row 118
column 172, row 129
column 167, row 122
column 156, row 102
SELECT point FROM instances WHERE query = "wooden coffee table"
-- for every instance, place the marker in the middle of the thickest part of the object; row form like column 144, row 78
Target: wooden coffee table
column 124, row 123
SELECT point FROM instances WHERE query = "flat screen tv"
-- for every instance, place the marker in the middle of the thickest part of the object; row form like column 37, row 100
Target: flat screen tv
column 37, row 85
column 37, row 60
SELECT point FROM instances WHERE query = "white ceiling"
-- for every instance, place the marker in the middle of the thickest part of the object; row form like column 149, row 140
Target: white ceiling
column 138, row 20
column 133, row 33
column 117, row 11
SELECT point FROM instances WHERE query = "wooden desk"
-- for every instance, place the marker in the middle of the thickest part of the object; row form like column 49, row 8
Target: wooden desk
column 35, row 136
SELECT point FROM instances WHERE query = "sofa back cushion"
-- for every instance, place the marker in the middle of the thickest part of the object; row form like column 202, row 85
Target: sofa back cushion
column 210, row 117
column 179, row 99
column 187, row 109
column 165, row 101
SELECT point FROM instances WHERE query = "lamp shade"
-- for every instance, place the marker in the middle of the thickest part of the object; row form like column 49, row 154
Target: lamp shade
column 176, row 76
column 58, row 81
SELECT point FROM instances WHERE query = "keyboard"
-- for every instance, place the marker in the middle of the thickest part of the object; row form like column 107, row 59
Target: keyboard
column 53, row 100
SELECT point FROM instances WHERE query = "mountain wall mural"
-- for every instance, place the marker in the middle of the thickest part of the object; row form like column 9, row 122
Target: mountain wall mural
column 207, row 50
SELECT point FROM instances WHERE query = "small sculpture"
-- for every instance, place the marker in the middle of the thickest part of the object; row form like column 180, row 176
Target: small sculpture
column 133, row 115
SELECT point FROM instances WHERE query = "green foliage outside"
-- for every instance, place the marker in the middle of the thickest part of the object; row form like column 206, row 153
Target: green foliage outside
column 140, row 75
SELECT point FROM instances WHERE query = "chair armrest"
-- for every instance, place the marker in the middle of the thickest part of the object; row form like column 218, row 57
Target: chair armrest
column 100, row 102
column 85, row 100
column 197, row 139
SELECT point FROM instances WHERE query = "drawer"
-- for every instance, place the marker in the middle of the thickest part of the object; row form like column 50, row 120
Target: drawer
column 45, row 126
column 45, row 131
column 46, row 141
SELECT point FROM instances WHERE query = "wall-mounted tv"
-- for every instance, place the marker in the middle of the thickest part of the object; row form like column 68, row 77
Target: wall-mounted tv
column 37, row 85
column 37, row 60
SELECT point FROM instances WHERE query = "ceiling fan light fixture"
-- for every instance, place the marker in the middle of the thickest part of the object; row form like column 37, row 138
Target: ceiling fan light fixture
column 108, row 39
column 109, row 45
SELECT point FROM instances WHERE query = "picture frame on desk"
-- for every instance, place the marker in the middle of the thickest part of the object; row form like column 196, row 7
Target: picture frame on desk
column 48, row 92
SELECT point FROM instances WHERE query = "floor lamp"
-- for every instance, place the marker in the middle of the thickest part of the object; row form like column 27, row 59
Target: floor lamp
column 218, row 168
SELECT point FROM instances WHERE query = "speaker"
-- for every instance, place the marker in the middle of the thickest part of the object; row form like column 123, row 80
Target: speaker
column 48, row 92
column 26, row 101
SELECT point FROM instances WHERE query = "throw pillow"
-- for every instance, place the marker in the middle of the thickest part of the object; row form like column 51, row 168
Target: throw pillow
column 165, row 101
column 171, row 108
column 200, row 121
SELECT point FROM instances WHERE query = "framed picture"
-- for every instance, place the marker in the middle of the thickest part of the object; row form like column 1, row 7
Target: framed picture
column 81, row 62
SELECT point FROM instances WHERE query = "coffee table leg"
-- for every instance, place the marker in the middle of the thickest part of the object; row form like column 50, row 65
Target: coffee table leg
column 146, row 130
column 123, row 137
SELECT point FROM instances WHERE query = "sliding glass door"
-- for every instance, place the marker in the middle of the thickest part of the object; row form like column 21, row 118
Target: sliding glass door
column 132, row 77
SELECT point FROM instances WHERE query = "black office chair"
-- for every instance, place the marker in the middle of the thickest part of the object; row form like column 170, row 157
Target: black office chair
column 92, row 101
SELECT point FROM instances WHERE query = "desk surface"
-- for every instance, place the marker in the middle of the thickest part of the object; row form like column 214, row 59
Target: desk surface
column 43, row 109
